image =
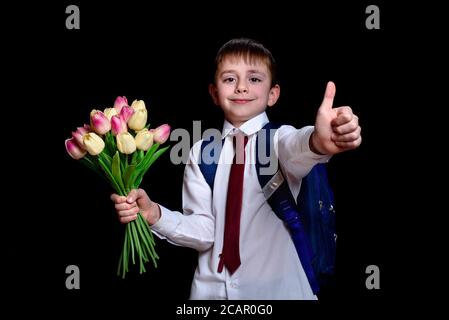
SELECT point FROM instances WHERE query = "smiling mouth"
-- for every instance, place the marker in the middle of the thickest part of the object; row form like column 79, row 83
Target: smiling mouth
column 241, row 101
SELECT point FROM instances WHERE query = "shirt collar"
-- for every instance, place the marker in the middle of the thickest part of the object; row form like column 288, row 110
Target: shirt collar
column 250, row 127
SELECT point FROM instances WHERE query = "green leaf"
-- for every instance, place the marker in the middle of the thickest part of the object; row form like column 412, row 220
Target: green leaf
column 143, row 167
column 139, row 156
column 106, row 158
column 116, row 171
column 147, row 157
column 91, row 165
column 112, row 143
column 127, row 177
column 134, row 158
column 122, row 158
column 141, row 164
column 157, row 155
column 148, row 164
column 111, row 178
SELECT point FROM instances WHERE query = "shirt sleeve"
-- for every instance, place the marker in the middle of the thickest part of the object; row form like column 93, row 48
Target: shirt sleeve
column 295, row 157
column 194, row 227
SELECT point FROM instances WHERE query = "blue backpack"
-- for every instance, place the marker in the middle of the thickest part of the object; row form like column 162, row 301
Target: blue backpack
column 310, row 220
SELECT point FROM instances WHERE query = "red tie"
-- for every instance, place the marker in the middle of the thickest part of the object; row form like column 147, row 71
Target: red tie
column 230, row 256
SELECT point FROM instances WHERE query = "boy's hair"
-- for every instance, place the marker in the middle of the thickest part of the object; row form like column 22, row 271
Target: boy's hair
column 251, row 51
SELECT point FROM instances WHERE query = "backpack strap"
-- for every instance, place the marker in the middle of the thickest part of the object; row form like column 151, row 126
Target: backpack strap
column 281, row 200
column 208, row 159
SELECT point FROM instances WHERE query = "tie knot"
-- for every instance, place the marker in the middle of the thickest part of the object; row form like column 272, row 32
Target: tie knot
column 240, row 139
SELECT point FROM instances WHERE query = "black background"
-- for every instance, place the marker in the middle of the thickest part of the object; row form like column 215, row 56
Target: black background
column 163, row 54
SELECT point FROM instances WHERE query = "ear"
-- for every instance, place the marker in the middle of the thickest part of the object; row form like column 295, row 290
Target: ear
column 213, row 93
column 274, row 94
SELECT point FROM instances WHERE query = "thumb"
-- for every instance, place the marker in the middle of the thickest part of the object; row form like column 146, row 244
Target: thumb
column 135, row 194
column 329, row 95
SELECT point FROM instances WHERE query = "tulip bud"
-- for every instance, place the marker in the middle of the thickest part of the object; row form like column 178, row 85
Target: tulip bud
column 119, row 103
column 161, row 133
column 93, row 143
column 73, row 149
column 144, row 140
column 126, row 143
column 126, row 113
column 109, row 112
column 138, row 120
column 99, row 122
column 138, row 105
column 79, row 134
column 118, row 125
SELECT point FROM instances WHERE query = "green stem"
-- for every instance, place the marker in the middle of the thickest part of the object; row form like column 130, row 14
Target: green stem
column 125, row 254
column 149, row 237
column 120, row 263
column 142, row 235
column 131, row 240
column 139, row 250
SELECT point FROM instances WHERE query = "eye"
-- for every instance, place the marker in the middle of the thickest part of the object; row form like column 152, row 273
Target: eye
column 229, row 80
column 255, row 79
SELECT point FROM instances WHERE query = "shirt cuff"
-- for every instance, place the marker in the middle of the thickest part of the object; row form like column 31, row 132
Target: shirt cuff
column 309, row 154
column 167, row 223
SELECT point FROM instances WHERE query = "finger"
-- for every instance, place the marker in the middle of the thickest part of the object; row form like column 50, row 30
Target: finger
column 128, row 218
column 125, row 206
column 329, row 95
column 117, row 199
column 136, row 194
column 346, row 128
column 348, row 137
column 132, row 196
column 349, row 145
column 130, row 212
column 344, row 115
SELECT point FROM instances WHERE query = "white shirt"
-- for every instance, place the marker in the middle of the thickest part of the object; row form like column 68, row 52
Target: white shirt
column 270, row 267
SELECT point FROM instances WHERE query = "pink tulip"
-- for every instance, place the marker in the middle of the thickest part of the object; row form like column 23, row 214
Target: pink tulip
column 161, row 133
column 118, row 125
column 119, row 103
column 79, row 134
column 99, row 122
column 126, row 113
column 73, row 149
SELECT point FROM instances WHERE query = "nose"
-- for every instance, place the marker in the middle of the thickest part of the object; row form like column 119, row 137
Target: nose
column 241, row 88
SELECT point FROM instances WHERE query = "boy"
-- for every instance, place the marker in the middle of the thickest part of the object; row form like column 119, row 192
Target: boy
column 258, row 260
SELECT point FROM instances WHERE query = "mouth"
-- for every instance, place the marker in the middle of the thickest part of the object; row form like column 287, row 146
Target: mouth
column 241, row 101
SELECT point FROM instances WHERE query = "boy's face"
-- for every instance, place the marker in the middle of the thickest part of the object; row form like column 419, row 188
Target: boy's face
column 243, row 90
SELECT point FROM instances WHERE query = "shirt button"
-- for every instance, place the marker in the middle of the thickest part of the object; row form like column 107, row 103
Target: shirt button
column 234, row 285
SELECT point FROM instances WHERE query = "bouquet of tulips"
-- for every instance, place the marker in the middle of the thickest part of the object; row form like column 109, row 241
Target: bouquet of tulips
column 120, row 147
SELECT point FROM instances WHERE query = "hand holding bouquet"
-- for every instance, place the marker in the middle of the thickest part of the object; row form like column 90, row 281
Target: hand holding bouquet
column 120, row 147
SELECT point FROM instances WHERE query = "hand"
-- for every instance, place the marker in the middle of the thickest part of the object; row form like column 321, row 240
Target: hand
column 336, row 129
column 136, row 201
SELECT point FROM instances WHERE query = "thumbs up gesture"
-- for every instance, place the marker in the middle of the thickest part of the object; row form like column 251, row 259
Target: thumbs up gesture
column 336, row 129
